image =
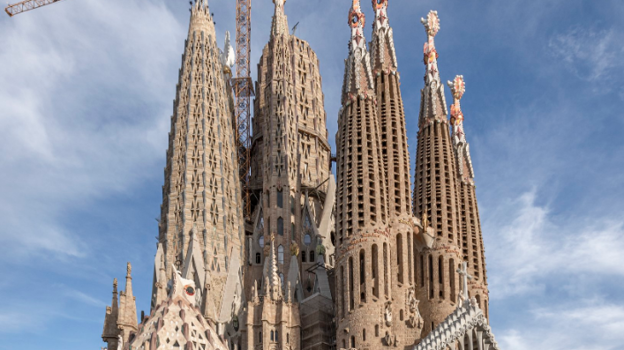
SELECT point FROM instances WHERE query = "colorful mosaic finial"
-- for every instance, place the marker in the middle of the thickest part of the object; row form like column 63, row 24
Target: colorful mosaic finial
column 381, row 16
column 458, row 87
column 356, row 17
column 432, row 26
column 432, row 23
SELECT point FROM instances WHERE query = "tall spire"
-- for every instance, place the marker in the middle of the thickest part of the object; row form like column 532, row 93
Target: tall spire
column 362, row 232
column 127, row 321
column 461, row 146
column 383, row 54
column 280, row 21
column 358, row 80
column 109, row 335
column 471, row 235
column 202, row 192
column 435, row 190
column 391, row 114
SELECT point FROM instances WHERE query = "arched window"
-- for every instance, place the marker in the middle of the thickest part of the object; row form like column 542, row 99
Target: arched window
column 303, row 256
column 280, row 254
column 280, row 226
column 276, row 335
column 362, row 276
column 280, row 199
column 353, row 337
column 261, row 241
column 385, row 269
column 258, row 258
column 431, row 278
column 351, row 296
column 281, row 276
column 272, row 336
column 287, row 337
column 399, row 257
column 307, row 239
column 312, row 256
column 260, row 337
column 375, row 270
column 364, row 334
column 452, row 280
column 441, row 276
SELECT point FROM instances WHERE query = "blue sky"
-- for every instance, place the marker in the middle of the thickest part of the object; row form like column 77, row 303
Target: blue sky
column 86, row 97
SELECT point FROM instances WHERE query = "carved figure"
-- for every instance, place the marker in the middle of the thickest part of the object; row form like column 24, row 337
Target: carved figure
column 388, row 313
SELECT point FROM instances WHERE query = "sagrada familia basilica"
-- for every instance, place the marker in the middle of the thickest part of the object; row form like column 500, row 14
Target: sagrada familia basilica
column 349, row 258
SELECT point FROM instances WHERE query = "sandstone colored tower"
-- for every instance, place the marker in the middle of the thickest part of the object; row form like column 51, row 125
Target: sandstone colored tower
column 435, row 197
column 472, row 238
column 292, row 185
column 405, row 231
column 201, row 226
column 363, row 277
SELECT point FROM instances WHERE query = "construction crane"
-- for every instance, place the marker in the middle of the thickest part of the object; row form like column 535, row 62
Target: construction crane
column 27, row 5
column 243, row 91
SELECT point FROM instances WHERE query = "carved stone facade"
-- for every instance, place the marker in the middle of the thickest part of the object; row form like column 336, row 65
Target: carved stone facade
column 276, row 281
column 201, row 195
column 294, row 190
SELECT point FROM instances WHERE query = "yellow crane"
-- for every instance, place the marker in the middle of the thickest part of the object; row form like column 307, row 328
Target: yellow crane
column 27, row 5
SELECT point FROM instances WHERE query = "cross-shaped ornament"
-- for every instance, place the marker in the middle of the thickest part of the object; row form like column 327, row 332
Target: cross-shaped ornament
column 463, row 272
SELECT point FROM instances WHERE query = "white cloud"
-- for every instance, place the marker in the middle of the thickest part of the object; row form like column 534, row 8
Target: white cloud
column 533, row 249
column 590, row 54
column 595, row 325
column 85, row 111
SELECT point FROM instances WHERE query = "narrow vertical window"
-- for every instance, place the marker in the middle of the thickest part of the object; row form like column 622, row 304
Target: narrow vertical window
column 303, row 256
column 312, row 256
column 375, row 270
column 280, row 254
column 385, row 268
column 399, row 257
column 280, row 199
column 342, row 290
column 452, row 280
column 441, row 276
column 351, row 296
column 422, row 270
column 280, row 226
column 362, row 276
column 258, row 258
column 430, row 277
column 409, row 257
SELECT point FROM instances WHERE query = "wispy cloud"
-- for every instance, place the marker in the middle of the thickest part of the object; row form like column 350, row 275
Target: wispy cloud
column 589, row 53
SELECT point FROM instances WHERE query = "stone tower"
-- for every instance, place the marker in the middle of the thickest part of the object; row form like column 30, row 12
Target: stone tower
column 405, row 241
column 121, row 317
column 470, row 225
column 294, row 190
column 435, row 194
column 363, row 272
column 201, row 228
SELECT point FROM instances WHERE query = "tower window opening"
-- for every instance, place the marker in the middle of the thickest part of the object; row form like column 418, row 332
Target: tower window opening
column 385, row 268
column 441, row 276
column 399, row 245
column 431, row 277
column 280, row 226
column 280, row 254
column 258, row 258
column 362, row 276
column 351, row 285
column 280, row 199
column 303, row 256
column 375, row 271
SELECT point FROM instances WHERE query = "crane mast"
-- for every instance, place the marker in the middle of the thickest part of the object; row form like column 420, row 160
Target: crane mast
column 27, row 5
column 243, row 90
